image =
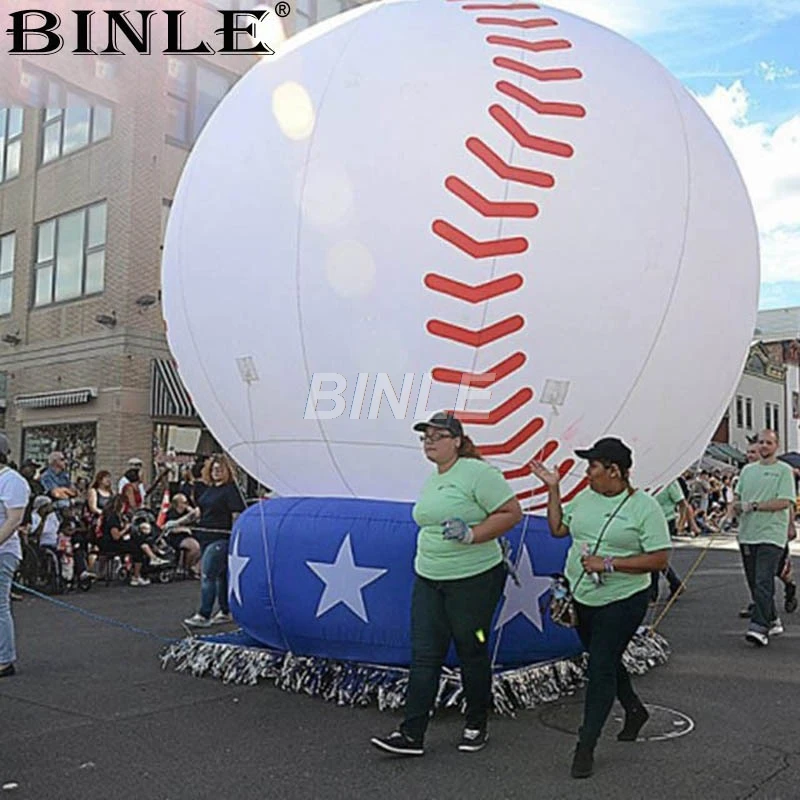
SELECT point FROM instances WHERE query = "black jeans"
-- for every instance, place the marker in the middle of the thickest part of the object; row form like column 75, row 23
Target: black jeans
column 760, row 567
column 605, row 632
column 444, row 611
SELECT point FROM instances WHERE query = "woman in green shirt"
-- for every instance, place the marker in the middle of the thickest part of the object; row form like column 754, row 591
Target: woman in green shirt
column 610, row 582
column 464, row 507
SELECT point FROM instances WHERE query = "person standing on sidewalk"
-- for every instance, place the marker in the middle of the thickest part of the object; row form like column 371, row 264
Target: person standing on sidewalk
column 218, row 507
column 465, row 506
column 611, row 605
column 764, row 497
column 14, row 494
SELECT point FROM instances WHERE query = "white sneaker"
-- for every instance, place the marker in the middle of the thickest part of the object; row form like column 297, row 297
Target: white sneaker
column 157, row 561
column 220, row 618
column 776, row 629
column 757, row 638
column 197, row 621
column 139, row 581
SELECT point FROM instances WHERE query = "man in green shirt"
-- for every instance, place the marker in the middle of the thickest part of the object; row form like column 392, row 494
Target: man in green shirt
column 764, row 495
column 670, row 499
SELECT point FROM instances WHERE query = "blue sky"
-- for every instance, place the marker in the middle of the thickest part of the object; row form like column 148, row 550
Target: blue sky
column 741, row 58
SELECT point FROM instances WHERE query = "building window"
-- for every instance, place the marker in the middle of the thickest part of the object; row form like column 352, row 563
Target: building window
column 748, row 413
column 770, row 416
column 71, row 255
column 70, row 121
column 776, row 417
column 10, row 142
column 77, row 442
column 7, row 246
column 193, row 92
column 739, row 411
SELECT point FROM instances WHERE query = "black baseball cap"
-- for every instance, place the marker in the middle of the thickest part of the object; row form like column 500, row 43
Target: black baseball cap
column 29, row 462
column 444, row 420
column 609, row 449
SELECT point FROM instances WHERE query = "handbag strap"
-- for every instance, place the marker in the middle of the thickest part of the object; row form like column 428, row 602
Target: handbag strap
column 625, row 499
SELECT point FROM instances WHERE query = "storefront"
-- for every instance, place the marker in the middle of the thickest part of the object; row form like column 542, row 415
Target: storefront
column 77, row 441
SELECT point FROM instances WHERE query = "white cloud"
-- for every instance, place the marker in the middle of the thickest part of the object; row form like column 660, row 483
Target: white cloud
column 769, row 159
column 771, row 72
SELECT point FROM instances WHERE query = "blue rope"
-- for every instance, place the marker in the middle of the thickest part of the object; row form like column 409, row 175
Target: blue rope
column 91, row 615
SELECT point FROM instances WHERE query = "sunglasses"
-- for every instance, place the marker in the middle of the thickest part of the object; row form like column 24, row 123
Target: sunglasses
column 435, row 437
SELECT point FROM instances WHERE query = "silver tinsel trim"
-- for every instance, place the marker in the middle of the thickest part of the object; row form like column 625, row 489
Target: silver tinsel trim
column 355, row 684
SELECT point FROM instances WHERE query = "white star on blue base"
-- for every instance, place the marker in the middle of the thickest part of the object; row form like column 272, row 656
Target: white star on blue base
column 344, row 581
column 236, row 565
column 524, row 599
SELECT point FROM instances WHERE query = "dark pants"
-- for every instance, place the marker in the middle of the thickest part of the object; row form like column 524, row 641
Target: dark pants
column 760, row 567
column 444, row 611
column 605, row 632
column 130, row 546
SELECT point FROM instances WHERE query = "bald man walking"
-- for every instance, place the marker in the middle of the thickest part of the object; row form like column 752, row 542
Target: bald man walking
column 764, row 495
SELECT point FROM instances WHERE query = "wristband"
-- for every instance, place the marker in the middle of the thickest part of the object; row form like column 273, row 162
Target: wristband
column 608, row 564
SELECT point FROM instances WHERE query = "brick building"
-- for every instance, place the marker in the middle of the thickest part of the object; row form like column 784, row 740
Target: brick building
column 91, row 150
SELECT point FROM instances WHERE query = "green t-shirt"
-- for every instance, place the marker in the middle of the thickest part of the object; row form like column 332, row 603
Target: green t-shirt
column 757, row 484
column 638, row 527
column 470, row 490
column 669, row 498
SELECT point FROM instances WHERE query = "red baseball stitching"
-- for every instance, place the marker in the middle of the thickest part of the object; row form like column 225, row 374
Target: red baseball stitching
column 476, row 249
column 532, row 177
column 539, row 106
column 567, row 74
column 528, row 140
column 521, row 134
column 485, row 335
column 525, row 24
column 481, row 380
column 534, row 47
column 489, row 208
column 474, row 293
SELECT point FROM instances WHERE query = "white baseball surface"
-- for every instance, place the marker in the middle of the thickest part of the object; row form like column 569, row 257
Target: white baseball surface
column 500, row 190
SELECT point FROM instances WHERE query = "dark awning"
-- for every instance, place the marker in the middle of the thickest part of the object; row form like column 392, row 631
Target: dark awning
column 726, row 453
column 66, row 397
column 168, row 395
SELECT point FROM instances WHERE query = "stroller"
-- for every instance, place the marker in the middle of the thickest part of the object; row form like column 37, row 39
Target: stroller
column 143, row 522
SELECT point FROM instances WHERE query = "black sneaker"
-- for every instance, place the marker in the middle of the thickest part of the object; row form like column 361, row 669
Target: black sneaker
column 398, row 744
column 582, row 762
column 473, row 739
column 634, row 722
column 747, row 612
column 790, row 598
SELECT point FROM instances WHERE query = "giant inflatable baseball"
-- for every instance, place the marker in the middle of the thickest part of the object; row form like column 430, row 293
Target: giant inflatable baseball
column 498, row 208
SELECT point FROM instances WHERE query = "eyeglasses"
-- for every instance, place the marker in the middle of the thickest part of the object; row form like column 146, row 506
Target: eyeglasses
column 435, row 437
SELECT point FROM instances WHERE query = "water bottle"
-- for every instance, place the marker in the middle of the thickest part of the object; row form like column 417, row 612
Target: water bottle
column 595, row 576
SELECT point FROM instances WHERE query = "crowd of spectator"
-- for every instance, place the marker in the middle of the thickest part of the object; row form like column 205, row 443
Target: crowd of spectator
column 86, row 524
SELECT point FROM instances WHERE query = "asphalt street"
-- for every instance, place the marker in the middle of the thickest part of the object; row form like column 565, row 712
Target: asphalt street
column 91, row 714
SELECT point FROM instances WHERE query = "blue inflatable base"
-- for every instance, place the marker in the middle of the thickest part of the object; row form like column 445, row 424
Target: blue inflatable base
column 332, row 578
